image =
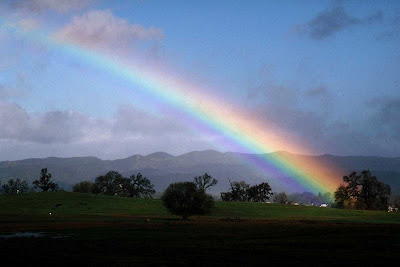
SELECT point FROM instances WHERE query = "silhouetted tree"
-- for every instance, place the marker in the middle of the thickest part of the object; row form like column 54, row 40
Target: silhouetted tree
column 186, row 199
column 138, row 186
column 84, row 187
column 343, row 198
column 241, row 191
column 13, row 187
column 45, row 183
column 259, row 193
column 364, row 190
column 111, row 183
column 205, row 181
column 281, row 198
column 95, row 189
column 226, row 196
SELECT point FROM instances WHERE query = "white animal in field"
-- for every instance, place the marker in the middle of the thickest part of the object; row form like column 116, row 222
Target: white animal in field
column 324, row 205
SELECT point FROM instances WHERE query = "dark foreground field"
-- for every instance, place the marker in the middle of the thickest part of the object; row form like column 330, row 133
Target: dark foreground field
column 103, row 230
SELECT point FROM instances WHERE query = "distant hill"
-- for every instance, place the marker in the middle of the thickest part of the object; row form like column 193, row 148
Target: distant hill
column 162, row 168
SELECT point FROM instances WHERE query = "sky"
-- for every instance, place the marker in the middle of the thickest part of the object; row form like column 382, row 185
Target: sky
column 322, row 74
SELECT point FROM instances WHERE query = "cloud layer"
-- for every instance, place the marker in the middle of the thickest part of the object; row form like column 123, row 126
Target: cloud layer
column 68, row 133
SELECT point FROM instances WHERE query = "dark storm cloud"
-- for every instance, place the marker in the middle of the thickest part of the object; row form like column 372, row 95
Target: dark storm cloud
column 334, row 20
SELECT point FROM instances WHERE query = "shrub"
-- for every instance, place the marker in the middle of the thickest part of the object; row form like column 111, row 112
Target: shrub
column 186, row 199
column 83, row 187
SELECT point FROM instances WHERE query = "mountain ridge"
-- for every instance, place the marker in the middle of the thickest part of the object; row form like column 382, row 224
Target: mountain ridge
column 203, row 151
column 163, row 168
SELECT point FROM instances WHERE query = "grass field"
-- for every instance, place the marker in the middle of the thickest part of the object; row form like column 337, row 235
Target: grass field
column 105, row 230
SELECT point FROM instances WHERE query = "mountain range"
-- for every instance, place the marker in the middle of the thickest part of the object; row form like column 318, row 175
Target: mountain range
column 162, row 168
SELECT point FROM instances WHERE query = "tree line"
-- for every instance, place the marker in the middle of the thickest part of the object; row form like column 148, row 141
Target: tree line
column 358, row 191
column 241, row 191
column 17, row 186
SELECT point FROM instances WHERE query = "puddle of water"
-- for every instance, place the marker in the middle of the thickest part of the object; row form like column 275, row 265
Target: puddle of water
column 30, row 235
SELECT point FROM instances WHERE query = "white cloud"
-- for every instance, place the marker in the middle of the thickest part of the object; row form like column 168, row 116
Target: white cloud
column 101, row 29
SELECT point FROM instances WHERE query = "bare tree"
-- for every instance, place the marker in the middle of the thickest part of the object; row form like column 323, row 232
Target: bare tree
column 205, row 181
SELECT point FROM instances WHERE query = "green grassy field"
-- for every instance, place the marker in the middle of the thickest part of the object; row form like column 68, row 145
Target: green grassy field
column 106, row 230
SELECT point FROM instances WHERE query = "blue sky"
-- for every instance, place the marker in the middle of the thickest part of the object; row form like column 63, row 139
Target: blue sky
column 326, row 71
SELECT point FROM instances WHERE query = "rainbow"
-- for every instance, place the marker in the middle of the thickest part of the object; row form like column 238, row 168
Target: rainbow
column 234, row 124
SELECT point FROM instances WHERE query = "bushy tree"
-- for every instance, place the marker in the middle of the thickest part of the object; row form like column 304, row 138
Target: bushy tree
column 186, row 199
column 343, row 198
column 84, row 187
column 363, row 191
column 110, row 183
column 13, row 187
column 281, row 198
column 239, row 191
column 138, row 186
column 259, row 193
column 113, row 183
column 205, row 181
column 45, row 183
